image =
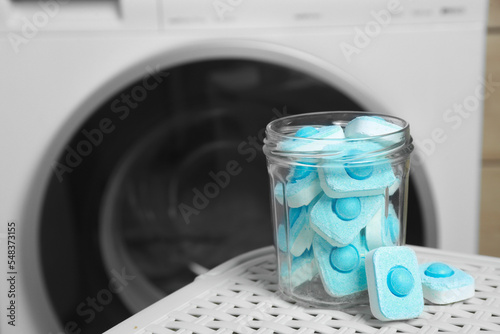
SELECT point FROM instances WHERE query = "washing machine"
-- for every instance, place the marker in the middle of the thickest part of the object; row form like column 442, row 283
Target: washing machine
column 131, row 134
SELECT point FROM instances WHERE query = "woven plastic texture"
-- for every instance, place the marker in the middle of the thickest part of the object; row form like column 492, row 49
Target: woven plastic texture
column 241, row 297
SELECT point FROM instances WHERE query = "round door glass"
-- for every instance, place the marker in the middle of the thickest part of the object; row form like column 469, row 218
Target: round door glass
column 171, row 182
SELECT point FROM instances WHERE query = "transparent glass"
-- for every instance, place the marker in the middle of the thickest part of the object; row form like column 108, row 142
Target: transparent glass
column 334, row 198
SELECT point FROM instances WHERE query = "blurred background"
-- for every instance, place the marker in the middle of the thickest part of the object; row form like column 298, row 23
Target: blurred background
column 490, row 194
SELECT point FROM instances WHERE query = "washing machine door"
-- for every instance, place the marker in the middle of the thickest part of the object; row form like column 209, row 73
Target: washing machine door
column 167, row 179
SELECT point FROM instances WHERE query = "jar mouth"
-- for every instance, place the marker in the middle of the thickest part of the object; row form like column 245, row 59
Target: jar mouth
column 368, row 149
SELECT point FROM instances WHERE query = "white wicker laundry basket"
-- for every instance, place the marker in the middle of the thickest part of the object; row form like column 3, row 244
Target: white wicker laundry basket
column 240, row 296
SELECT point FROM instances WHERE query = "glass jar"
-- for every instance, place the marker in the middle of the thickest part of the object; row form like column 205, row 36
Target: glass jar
column 338, row 190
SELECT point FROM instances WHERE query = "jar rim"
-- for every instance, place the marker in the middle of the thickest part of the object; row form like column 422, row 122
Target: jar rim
column 283, row 129
column 272, row 126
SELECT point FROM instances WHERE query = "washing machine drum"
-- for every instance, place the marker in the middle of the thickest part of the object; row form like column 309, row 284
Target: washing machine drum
column 166, row 180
